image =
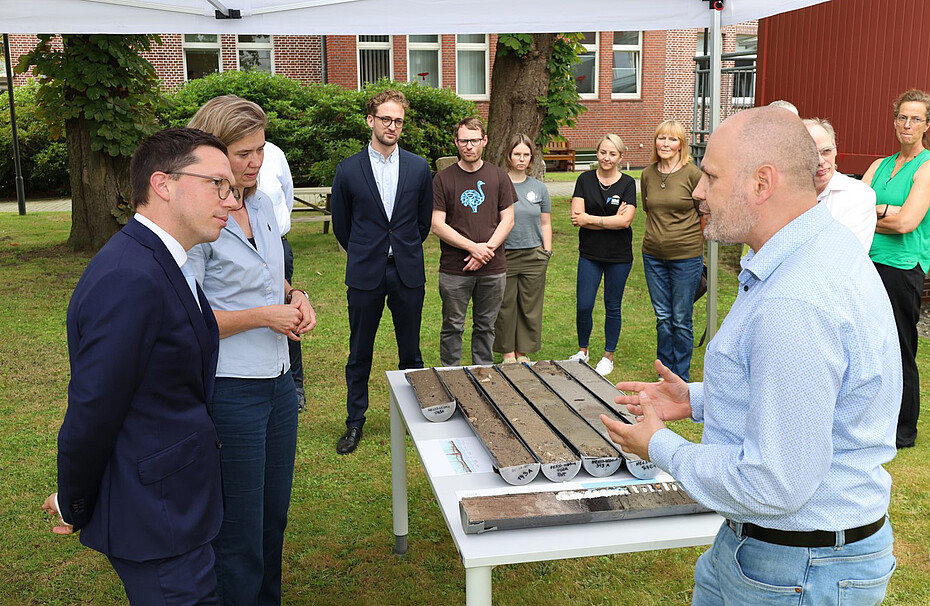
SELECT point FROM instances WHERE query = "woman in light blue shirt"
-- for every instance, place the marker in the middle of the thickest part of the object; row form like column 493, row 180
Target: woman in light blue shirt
column 254, row 404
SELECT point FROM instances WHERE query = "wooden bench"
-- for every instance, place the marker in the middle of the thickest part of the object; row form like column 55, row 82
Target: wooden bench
column 558, row 152
column 313, row 199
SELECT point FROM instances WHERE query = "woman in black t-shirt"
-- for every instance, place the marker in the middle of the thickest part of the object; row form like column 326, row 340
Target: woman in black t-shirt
column 602, row 207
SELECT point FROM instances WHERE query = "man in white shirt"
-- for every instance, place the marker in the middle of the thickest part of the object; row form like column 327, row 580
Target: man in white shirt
column 276, row 182
column 850, row 201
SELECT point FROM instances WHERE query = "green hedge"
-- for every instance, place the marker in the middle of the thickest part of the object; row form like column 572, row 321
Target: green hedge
column 44, row 161
column 317, row 125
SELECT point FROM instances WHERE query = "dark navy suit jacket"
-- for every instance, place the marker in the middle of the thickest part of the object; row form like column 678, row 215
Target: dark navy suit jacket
column 138, row 459
column 362, row 227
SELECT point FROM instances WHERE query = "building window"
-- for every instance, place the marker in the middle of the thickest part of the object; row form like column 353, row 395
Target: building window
column 744, row 70
column 585, row 72
column 627, row 75
column 255, row 53
column 423, row 62
column 201, row 55
column 375, row 59
column 471, row 66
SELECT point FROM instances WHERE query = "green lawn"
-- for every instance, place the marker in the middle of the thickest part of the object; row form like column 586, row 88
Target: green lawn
column 339, row 542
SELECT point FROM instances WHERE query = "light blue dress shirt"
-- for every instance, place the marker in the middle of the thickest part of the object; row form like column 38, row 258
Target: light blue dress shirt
column 235, row 276
column 387, row 172
column 801, row 391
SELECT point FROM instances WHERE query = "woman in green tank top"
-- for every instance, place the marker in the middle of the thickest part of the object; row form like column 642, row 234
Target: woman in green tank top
column 901, row 248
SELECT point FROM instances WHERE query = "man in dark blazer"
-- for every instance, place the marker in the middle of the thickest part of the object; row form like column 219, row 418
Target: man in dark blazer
column 138, row 460
column 381, row 204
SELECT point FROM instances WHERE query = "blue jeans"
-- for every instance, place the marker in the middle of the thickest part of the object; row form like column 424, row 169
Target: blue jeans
column 747, row 571
column 589, row 280
column 256, row 421
column 672, row 285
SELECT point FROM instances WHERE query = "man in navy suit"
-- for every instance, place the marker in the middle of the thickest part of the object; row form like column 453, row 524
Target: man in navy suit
column 138, row 460
column 381, row 204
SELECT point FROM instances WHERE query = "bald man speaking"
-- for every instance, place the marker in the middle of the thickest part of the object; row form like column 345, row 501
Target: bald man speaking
column 801, row 388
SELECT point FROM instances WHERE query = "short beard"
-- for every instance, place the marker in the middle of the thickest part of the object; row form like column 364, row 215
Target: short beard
column 732, row 226
column 384, row 142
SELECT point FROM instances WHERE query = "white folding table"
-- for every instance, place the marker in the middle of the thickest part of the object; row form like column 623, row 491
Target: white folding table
column 481, row 552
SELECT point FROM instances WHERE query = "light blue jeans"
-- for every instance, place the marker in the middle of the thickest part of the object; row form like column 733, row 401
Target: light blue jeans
column 672, row 285
column 743, row 572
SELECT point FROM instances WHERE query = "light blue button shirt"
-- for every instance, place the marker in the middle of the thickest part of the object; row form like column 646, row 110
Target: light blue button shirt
column 387, row 172
column 235, row 276
column 801, row 391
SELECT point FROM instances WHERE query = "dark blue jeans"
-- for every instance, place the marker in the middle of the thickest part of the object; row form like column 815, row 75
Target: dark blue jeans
column 672, row 285
column 589, row 280
column 256, row 421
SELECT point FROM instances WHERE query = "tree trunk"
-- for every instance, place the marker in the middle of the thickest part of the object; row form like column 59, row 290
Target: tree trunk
column 99, row 182
column 516, row 84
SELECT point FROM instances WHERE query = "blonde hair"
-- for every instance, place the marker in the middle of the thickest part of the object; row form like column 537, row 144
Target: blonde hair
column 230, row 118
column 615, row 139
column 672, row 128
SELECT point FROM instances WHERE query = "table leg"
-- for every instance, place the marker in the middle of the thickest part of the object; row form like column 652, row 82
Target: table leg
column 399, row 478
column 478, row 586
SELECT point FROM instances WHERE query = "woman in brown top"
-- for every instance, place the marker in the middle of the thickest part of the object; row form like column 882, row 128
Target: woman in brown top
column 673, row 245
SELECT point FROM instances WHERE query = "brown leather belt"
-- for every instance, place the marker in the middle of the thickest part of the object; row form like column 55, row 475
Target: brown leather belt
column 811, row 538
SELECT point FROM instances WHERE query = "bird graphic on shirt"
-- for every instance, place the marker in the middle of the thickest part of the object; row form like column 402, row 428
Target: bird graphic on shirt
column 473, row 199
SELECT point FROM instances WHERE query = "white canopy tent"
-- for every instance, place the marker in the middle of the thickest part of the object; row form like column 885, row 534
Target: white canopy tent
column 332, row 17
column 371, row 16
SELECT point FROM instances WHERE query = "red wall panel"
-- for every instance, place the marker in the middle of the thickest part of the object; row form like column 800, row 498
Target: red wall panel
column 846, row 61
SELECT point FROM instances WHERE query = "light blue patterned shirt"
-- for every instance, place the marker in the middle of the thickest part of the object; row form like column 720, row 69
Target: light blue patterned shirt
column 801, row 391
column 235, row 276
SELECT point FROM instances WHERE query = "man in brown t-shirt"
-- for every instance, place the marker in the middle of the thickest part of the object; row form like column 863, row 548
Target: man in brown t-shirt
column 472, row 215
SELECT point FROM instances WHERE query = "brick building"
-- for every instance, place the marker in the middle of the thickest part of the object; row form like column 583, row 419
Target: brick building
column 629, row 81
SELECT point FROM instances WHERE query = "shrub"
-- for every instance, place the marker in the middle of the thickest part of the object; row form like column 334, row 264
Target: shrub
column 44, row 160
column 319, row 125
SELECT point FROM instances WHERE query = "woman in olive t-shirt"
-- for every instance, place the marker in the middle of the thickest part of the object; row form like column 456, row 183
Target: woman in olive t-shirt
column 602, row 208
column 673, row 246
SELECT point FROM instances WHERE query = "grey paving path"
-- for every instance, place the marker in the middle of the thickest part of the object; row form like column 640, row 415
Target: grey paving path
column 38, row 206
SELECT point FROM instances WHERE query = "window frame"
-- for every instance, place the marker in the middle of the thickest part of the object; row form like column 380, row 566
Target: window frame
column 751, row 100
column 484, row 47
column 596, row 49
column 258, row 46
column 367, row 45
column 425, row 46
column 217, row 46
column 638, row 50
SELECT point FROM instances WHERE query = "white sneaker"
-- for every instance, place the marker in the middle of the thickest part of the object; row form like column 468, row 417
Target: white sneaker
column 604, row 367
column 581, row 356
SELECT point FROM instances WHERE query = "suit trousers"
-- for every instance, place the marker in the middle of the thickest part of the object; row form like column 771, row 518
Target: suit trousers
column 519, row 322
column 456, row 291
column 365, row 309
column 179, row 581
column 904, row 288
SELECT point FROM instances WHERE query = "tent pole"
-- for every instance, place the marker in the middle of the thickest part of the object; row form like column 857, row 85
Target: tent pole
column 716, row 41
column 20, row 192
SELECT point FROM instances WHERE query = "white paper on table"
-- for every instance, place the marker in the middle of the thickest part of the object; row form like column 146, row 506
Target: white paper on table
column 449, row 457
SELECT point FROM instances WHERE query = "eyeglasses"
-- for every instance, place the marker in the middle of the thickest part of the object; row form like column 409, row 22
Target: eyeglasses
column 467, row 142
column 826, row 151
column 903, row 120
column 223, row 186
column 387, row 121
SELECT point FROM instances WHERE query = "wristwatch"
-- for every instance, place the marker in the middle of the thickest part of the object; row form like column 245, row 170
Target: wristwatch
column 290, row 293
